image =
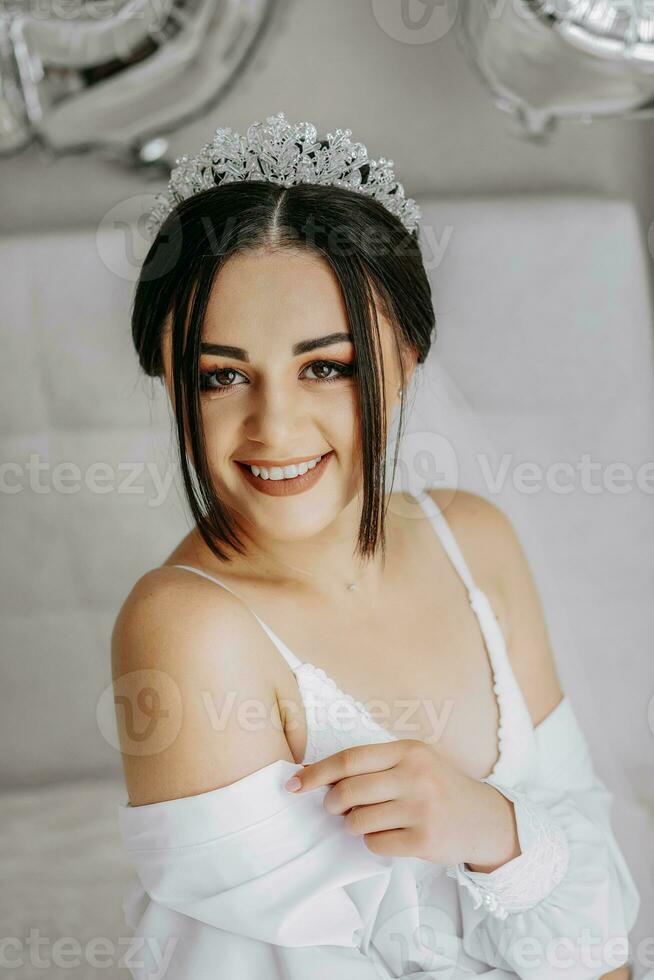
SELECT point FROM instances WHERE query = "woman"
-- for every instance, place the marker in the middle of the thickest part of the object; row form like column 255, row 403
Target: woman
column 285, row 305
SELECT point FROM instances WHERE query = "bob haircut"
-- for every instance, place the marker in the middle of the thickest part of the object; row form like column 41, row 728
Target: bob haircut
column 378, row 264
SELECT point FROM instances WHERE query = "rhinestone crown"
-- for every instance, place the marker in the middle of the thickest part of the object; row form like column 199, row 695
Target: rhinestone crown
column 287, row 154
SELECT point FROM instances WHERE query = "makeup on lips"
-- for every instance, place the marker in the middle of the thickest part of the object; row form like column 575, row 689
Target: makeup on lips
column 285, row 482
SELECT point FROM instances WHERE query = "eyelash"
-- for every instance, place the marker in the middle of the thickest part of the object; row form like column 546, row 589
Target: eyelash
column 344, row 371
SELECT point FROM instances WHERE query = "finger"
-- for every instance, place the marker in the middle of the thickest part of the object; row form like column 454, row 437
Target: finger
column 352, row 761
column 392, row 815
column 390, row 843
column 363, row 790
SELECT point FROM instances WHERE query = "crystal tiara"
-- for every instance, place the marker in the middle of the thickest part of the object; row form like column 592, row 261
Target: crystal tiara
column 287, row 154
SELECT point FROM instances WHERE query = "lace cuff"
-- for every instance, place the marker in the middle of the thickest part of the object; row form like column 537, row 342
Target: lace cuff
column 527, row 879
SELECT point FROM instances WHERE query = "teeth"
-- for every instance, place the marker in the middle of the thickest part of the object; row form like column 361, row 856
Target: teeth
column 284, row 472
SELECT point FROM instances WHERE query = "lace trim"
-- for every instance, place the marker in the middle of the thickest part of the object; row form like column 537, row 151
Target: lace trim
column 515, row 731
column 335, row 720
column 526, row 880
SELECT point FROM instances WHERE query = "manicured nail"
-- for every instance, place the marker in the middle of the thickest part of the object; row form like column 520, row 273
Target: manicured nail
column 293, row 784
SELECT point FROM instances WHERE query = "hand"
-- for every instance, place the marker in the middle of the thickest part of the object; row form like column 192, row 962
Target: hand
column 408, row 801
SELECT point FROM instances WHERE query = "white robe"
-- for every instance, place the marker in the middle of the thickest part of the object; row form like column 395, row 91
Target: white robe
column 251, row 882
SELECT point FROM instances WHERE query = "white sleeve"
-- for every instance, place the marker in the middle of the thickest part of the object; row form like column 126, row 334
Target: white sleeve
column 255, row 859
column 250, row 880
column 565, row 905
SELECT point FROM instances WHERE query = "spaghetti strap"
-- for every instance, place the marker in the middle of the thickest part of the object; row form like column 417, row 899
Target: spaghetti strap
column 515, row 730
column 288, row 655
column 449, row 542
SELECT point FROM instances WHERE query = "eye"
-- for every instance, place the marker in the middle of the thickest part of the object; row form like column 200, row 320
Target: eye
column 219, row 380
column 216, row 380
column 342, row 370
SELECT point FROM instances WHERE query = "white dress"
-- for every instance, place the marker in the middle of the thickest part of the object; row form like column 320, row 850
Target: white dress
column 251, row 882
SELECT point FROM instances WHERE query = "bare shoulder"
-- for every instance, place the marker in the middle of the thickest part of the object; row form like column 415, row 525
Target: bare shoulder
column 499, row 565
column 486, row 537
column 196, row 702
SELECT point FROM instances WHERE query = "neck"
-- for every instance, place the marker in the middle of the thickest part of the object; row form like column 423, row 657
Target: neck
column 324, row 564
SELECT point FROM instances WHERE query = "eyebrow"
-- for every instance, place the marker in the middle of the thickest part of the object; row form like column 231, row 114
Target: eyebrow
column 302, row 347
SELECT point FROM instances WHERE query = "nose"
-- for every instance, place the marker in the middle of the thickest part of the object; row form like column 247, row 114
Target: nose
column 273, row 418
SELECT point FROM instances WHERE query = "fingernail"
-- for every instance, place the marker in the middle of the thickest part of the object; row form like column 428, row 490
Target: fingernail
column 293, row 784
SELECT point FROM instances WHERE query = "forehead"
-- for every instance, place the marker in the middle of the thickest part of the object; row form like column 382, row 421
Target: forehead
column 280, row 289
column 269, row 299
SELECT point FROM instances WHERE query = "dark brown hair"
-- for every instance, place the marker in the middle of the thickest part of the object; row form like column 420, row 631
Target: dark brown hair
column 378, row 265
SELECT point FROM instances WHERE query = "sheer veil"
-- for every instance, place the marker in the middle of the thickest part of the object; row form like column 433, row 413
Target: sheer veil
column 446, row 444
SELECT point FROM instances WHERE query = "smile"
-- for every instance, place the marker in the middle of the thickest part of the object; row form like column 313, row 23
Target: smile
column 285, row 472
column 278, row 481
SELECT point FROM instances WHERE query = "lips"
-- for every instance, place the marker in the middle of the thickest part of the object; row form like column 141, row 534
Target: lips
column 286, row 488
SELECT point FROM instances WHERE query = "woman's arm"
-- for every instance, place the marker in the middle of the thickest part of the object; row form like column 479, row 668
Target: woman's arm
column 234, row 874
column 196, row 705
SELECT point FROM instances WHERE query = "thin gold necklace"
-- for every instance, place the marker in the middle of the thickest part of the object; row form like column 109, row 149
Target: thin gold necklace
column 349, row 586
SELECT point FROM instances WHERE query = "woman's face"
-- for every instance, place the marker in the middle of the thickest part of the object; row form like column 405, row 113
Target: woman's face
column 277, row 387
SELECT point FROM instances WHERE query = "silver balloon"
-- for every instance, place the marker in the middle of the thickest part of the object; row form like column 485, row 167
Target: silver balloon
column 119, row 74
column 545, row 60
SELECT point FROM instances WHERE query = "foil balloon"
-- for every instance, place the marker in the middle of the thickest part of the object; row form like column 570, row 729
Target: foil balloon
column 119, row 74
column 545, row 60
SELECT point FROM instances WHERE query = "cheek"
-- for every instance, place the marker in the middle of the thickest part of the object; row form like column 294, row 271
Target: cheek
column 342, row 406
column 340, row 425
column 221, row 438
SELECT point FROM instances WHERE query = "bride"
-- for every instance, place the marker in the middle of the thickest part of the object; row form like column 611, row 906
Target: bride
column 389, row 652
